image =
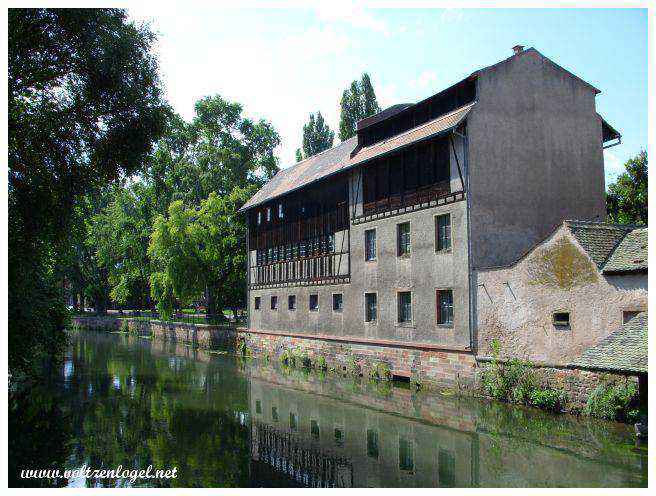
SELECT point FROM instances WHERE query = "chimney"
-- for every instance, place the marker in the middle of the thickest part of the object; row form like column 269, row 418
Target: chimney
column 518, row 49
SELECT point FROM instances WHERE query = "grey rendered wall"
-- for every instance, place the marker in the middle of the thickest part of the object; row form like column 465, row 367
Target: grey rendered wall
column 422, row 273
column 535, row 157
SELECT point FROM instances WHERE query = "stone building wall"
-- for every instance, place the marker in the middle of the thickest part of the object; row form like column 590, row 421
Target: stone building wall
column 515, row 304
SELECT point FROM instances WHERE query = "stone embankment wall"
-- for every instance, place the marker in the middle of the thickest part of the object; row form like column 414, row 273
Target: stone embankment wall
column 433, row 368
column 210, row 337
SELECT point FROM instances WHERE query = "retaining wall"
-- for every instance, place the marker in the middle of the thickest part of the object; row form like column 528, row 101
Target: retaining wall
column 210, row 337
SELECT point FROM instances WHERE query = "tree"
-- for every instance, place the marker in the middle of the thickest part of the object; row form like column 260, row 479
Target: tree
column 84, row 107
column 626, row 199
column 299, row 155
column 200, row 251
column 358, row 102
column 317, row 136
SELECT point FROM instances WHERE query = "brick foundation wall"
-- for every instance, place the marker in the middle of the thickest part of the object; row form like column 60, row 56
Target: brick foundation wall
column 433, row 367
column 197, row 335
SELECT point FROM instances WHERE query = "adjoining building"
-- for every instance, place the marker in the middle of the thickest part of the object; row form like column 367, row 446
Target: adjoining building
column 377, row 247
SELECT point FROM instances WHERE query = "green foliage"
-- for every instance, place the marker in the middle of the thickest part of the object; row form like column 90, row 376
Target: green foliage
column 299, row 155
column 626, row 199
column 84, row 107
column 353, row 366
column 358, row 101
column 380, row 371
column 317, row 136
column 547, row 399
column 613, row 401
column 321, row 363
column 515, row 381
column 125, row 327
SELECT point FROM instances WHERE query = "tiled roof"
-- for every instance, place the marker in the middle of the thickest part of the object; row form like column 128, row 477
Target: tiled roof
column 342, row 157
column 631, row 253
column 598, row 239
column 625, row 350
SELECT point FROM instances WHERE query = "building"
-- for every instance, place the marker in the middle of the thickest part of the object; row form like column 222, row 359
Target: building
column 373, row 248
column 566, row 294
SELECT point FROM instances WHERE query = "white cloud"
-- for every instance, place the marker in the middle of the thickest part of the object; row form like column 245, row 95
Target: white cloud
column 424, row 80
column 613, row 166
column 354, row 15
column 452, row 15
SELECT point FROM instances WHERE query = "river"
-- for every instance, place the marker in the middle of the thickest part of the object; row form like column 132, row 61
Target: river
column 126, row 401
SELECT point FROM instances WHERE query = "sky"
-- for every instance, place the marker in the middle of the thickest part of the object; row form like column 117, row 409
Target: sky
column 282, row 65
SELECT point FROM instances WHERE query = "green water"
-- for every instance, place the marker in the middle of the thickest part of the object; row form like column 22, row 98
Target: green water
column 119, row 400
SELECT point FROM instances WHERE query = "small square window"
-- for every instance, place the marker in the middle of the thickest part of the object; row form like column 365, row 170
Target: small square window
column 444, row 304
column 257, row 302
column 628, row 315
column 291, row 302
column 274, row 303
column 405, row 307
column 338, row 304
column 403, row 239
column 370, row 244
column 314, row 302
column 561, row 319
column 443, row 232
column 370, row 307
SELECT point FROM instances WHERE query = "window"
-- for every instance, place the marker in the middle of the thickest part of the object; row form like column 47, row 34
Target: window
column 314, row 429
column 314, row 303
column 274, row 303
column 280, row 211
column 370, row 305
column 257, row 303
column 403, row 239
column 446, row 468
column 339, row 436
column 259, row 218
column 274, row 413
column 293, row 421
column 372, row 443
column 337, row 302
column 291, row 302
column 443, row 232
column 628, row 315
column 268, row 214
column 444, row 303
column 405, row 307
column 258, row 406
column 406, row 454
column 561, row 319
column 370, row 244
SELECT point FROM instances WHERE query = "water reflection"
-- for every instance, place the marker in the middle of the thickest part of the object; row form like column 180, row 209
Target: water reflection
column 120, row 400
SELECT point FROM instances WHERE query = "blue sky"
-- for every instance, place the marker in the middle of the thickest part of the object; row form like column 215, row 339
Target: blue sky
column 283, row 64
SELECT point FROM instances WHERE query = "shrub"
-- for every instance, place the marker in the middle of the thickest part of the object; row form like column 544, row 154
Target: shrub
column 125, row 327
column 380, row 371
column 352, row 366
column 547, row 399
column 287, row 358
column 613, row 401
column 321, row 363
